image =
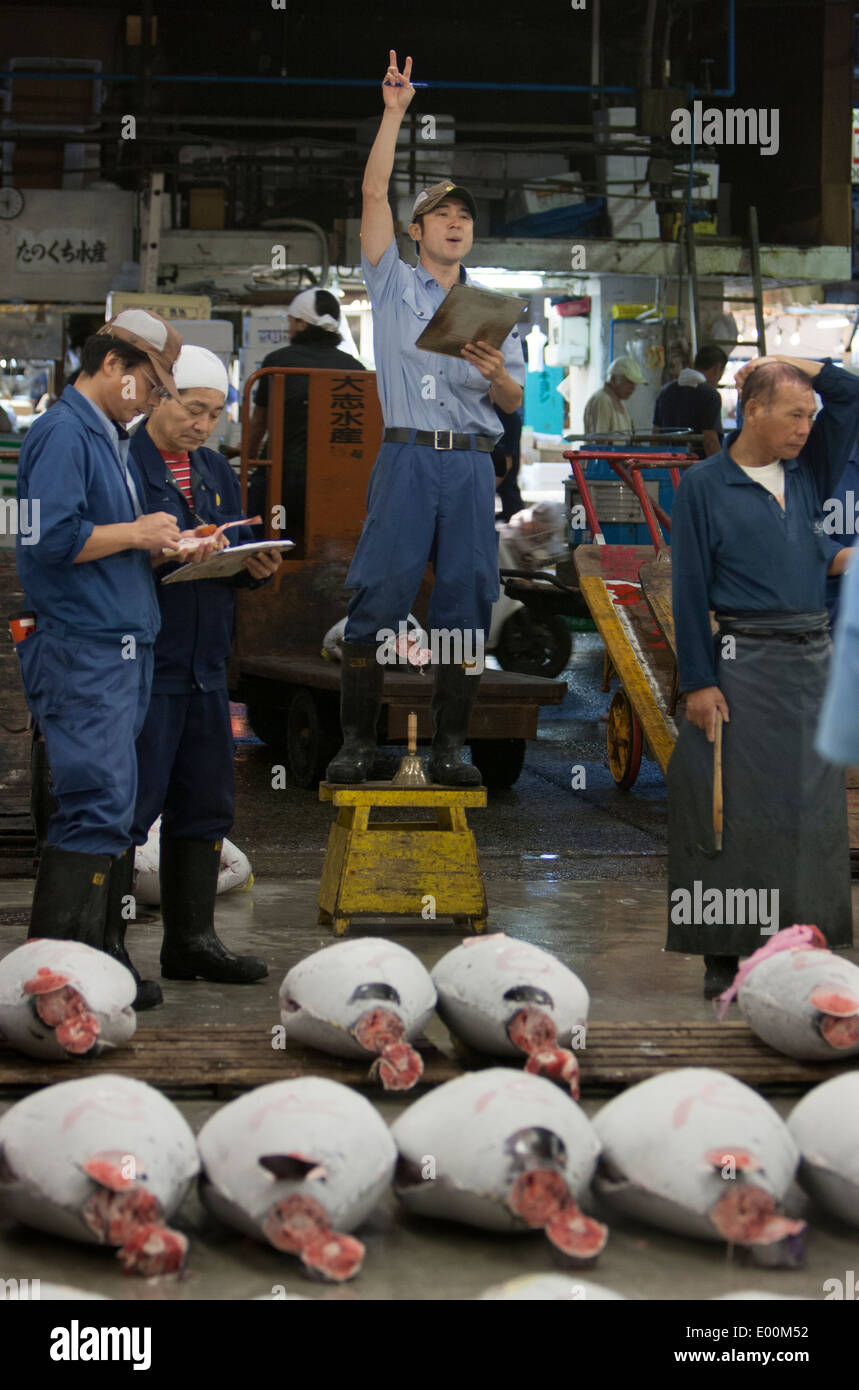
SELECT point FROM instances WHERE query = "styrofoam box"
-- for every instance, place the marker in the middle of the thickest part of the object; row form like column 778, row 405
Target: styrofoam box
column 708, row 192
column 550, row 197
column 267, row 330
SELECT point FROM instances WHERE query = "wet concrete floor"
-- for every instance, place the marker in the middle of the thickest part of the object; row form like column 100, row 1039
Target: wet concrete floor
column 580, row 871
column 611, row 933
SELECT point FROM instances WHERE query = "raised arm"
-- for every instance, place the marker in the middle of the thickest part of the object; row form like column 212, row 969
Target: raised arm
column 834, row 432
column 377, row 224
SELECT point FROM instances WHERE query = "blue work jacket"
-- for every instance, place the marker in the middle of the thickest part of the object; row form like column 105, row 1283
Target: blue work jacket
column 735, row 551
column 71, row 479
column 196, row 618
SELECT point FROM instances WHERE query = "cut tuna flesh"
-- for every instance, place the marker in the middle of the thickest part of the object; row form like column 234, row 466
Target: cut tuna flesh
column 367, row 997
column 61, row 999
column 107, row 1160
column 299, row 1164
column 504, row 1151
column 804, row 1002
column 697, row 1152
column 207, row 532
column 825, row 1127
column 506, row 997
column 553, row 1288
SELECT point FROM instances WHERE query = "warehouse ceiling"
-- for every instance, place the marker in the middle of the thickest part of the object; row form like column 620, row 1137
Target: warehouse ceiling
column 221, row 75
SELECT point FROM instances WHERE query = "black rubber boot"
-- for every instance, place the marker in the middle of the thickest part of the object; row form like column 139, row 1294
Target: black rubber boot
column 361, row 680
column 454, row 692
column 119, row 888
column 70, row 896
column 719, row 974
column 191, row 950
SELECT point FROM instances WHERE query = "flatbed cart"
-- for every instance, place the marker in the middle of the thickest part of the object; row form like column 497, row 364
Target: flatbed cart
column 641, row 714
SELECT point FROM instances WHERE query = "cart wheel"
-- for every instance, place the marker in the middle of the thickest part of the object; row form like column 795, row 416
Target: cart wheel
column 624, row 740
column 534, row 645
column 498, row 760
column 311, row 737
column 268, row 723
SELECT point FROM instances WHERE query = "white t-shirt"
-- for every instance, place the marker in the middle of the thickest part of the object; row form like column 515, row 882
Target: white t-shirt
column 770, row 476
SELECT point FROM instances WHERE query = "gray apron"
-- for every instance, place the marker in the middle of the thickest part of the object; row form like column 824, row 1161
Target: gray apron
column 785, row 808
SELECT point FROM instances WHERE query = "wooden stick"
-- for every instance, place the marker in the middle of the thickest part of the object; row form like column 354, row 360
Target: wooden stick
column 717, row 784
column 413, row 732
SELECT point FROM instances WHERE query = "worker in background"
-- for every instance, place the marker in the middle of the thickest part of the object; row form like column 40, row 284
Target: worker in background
column 314, row 332
column 605, row 412
column 748, row 541
column 185, row 748
column 432, row 490
column 87, row 669
column 505, row 457
column 691, row 402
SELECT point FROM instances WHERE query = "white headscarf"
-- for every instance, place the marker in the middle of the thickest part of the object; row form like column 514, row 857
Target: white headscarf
column 197, row 366
column 303, row 307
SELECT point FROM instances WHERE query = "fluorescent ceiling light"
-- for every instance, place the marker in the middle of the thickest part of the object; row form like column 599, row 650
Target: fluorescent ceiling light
column 836, row 321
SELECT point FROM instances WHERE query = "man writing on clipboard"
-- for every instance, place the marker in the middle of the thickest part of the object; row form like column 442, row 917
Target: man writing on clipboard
column 185, row 748
column 432, row 490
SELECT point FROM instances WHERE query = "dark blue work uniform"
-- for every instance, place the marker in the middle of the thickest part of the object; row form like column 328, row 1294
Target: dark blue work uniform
column 87, row 669
column 185, row 748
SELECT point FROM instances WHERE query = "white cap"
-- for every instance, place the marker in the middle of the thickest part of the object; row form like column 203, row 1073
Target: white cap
column 197, row 366
column 303, row 306
column 628, row 367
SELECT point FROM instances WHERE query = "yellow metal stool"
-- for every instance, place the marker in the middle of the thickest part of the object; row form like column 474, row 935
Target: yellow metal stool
column 391, row 868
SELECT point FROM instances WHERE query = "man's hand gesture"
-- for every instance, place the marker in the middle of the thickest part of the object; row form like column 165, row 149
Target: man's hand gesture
column 397, row 90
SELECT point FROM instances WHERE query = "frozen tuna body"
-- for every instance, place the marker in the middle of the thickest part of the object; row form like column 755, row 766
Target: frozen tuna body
column 758, row 1296
column 550, row 1288
column 504, row 1151
column 289, row 1162
column 106, row 1160
column 41, row 1291
column 235, row 869
column 361, row 998
column 697, row 1152
column 506, row 997
column 61, row 999
column 825, row 1127
column 804, row 1002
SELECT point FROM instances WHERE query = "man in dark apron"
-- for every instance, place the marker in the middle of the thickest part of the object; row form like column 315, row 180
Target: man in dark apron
column 749, row 543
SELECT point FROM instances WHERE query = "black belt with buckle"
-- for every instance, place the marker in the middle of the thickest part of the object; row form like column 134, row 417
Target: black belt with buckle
column 440, row 439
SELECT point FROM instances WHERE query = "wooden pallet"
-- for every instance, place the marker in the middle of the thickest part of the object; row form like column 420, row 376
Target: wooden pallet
column 221, row 1061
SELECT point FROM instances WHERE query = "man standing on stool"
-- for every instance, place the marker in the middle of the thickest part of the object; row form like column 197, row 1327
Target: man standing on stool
column 432, row 491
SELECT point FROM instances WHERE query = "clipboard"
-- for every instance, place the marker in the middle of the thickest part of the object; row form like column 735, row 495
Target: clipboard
column 468, row 314
column 224, row 562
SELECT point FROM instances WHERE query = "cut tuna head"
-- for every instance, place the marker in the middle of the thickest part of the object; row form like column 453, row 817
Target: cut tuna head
column 803, row 1002
column 367, row 997
column 62, row 999
column 506, row 997
column 299, row 1164
column 106, row 1159
column 502, row 1151
column 699, row 1153
column 550, row 1288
